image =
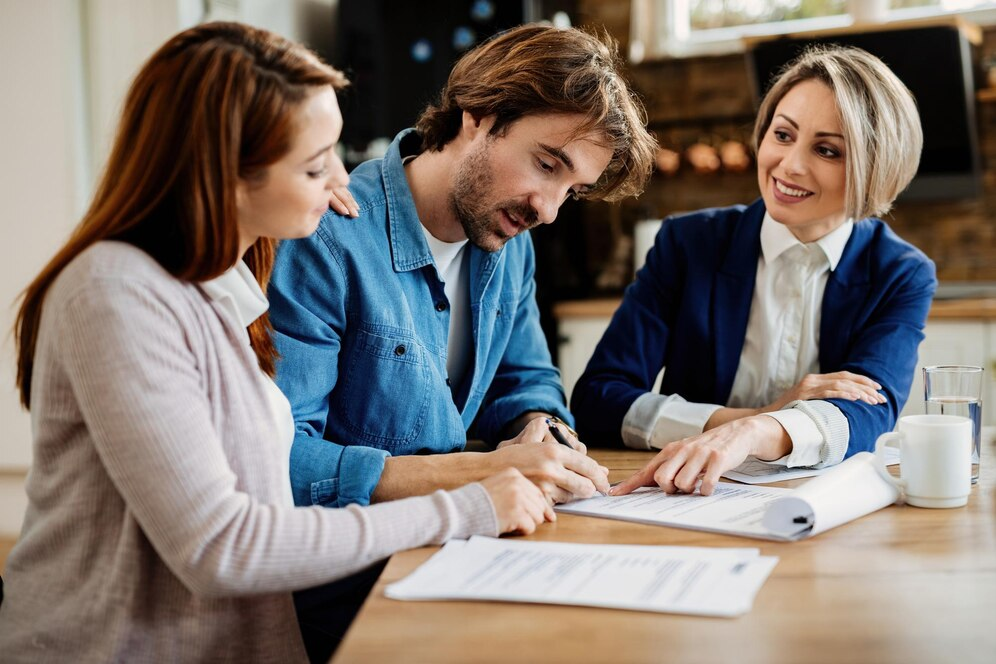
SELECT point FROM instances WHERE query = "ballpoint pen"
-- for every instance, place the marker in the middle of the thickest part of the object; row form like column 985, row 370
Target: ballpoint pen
column 559, row 436
column 557, row 433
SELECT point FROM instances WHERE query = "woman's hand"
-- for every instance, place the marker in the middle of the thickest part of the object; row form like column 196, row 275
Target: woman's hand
column 838, row 385
column 519, row 504
column 680, row 465
column 343, row 202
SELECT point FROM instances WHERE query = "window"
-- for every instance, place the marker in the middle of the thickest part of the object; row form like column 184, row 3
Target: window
column 676, row 28
column 712, row 14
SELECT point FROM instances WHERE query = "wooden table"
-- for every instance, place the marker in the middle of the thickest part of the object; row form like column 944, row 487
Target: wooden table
column 901, row 585
column 976, row 308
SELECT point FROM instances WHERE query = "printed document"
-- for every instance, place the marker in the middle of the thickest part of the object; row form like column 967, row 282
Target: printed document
column 755, row 471
column 732, row 509
column 671, row 579
column 847, row 491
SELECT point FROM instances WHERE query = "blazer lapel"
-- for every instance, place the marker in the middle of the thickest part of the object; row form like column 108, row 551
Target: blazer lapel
column 734, row 290
column 845, row 296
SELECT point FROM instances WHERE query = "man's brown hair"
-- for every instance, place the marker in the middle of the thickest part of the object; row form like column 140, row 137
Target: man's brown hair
column 535, row 69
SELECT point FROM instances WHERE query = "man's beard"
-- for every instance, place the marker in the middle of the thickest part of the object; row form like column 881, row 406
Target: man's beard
column 469, row 202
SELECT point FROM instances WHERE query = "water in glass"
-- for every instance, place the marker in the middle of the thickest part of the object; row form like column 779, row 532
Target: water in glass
column 964, row 407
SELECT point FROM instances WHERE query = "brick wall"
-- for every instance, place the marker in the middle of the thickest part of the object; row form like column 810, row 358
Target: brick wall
column 709, row 99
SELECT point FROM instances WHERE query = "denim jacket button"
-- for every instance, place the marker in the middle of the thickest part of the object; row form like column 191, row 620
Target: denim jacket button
column 399, row 350
column 440, row 306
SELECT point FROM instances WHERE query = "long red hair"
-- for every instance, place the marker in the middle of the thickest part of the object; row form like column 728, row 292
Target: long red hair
column 213, row 105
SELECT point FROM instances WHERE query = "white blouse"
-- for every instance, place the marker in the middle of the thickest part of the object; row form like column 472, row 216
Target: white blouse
column 781, row 346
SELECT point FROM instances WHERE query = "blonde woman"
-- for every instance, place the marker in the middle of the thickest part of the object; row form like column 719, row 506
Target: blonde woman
column 788, row 329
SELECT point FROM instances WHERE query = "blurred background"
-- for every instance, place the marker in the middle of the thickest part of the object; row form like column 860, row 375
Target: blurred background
column 699, row 65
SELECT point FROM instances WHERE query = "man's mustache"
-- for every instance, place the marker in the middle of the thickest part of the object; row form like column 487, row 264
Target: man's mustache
column 524, row 213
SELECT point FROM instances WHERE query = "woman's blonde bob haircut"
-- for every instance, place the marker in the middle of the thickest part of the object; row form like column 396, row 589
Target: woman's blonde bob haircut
column 882, row 134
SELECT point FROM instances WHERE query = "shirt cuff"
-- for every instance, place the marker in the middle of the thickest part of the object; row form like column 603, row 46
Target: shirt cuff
column 824, row 448
column 833, row 426
column 806, row 438
column 359, row 473
column 654, row 420
column 493, row 418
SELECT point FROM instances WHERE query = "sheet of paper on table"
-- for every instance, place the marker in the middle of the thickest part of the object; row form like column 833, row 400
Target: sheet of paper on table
column 670, row 579
column 755, row 471
column 846, row 492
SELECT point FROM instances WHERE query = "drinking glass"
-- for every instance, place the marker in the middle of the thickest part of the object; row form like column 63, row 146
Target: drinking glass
column 957, row 390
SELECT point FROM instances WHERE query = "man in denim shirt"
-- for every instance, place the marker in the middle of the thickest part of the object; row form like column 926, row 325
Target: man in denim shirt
column 411, row 317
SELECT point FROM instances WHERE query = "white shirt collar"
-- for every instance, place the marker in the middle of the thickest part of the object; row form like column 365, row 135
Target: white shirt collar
column 239, row 292
column 776, row 238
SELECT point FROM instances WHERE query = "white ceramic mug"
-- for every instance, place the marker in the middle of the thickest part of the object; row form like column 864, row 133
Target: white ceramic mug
column 934, row 459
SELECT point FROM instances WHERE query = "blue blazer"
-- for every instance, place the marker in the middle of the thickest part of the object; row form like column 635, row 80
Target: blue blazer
column 687, row 310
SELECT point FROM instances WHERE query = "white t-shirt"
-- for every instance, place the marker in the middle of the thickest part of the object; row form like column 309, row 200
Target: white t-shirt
column 453, row 269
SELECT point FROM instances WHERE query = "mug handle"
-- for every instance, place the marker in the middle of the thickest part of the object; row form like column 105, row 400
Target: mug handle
column 890, row 439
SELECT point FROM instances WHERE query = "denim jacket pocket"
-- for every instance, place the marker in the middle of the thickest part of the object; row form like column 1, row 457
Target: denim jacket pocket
column 384, row 392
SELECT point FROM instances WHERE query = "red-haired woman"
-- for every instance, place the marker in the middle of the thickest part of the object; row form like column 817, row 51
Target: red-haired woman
column 160, row 523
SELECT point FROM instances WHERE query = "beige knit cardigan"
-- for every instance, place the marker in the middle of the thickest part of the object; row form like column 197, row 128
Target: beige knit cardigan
column 160, row 524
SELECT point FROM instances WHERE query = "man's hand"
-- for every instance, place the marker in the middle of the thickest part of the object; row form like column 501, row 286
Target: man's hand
column 680, row 465
column 537, row 419
column 561, row 473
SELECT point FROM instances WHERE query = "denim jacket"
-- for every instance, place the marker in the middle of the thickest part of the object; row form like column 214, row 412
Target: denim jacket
column 362, row 325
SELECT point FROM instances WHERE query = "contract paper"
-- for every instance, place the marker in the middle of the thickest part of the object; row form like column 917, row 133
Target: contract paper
column 755, row 471
column 846, row 492
column 670, row 579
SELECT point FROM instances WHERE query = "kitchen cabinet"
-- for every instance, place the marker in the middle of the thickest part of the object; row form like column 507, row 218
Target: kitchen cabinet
column 577, row 338
column 971, row 342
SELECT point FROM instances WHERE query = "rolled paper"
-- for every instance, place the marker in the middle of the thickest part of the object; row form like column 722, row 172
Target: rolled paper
column 846, row 492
